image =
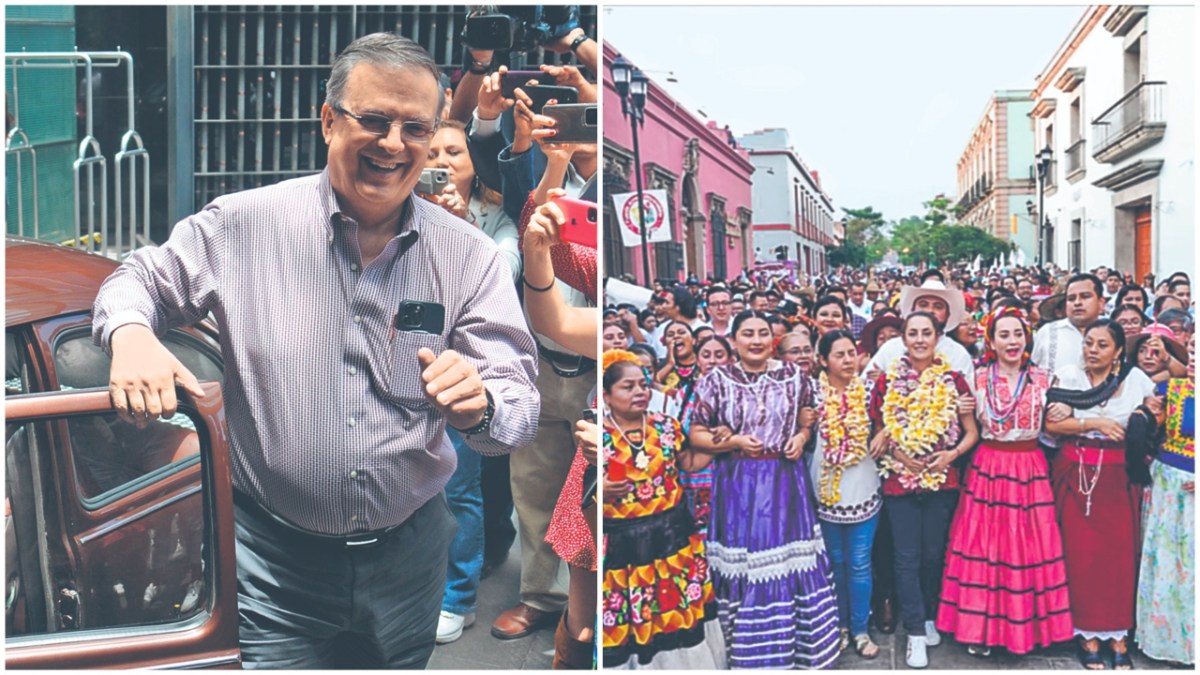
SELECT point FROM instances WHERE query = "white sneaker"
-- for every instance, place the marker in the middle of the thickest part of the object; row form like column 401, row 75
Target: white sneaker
column 451, row 626
column 916, row 657
column 932, row 637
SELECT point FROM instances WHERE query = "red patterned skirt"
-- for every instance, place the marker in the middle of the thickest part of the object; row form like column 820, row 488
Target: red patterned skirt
column 568, row 533
column 1006, row 577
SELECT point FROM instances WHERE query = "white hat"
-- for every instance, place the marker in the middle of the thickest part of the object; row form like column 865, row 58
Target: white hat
column 953, row 298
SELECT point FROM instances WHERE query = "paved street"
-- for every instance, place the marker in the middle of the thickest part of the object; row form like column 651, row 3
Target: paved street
column 477, row 649
column 953, row 656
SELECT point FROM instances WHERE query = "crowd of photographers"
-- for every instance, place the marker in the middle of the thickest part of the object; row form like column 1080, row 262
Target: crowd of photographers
column 516, row 145
column 1002, row 456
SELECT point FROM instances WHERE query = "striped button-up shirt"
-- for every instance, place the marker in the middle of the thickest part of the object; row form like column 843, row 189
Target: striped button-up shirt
column 330, row 427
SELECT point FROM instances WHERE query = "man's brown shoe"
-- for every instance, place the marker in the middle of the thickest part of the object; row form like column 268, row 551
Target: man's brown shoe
column 522, row 620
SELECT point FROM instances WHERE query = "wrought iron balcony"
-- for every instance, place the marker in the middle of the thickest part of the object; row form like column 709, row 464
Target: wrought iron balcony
column 1075, row 160
column 1134, row 122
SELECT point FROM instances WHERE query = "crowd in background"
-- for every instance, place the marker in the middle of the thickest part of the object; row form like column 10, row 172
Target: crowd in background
column 504, row 166
column 1002, row 457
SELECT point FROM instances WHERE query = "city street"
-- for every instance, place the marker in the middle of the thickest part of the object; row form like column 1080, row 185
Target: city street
column 953, row 656
column 477, row 649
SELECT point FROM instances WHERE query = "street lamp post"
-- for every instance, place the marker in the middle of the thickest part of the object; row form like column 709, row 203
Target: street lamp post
column 632, row 87
column 1043, row 169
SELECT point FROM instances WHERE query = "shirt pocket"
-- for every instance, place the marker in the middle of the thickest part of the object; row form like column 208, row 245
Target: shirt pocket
column 404, row 386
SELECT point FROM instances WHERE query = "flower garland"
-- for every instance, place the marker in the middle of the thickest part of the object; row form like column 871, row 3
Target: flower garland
column 918, row 415
column 844, row 427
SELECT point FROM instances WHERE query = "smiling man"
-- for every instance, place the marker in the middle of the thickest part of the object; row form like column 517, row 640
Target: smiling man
column 351, row 340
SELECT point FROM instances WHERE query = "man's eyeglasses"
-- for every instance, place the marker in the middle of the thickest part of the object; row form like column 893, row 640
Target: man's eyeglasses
column 378, row 125
column 720, row 303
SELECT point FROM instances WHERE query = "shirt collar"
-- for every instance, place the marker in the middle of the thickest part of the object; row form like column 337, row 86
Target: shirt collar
column 331, row 211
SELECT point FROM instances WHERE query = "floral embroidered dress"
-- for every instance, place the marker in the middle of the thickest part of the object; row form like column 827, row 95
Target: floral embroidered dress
column 1166, row 609
column 773, row 578
column 1005, row 583
column 657, row 594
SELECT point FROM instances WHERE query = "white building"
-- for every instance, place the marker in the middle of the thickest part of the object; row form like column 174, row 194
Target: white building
column 1116, row 107
column 793, row 217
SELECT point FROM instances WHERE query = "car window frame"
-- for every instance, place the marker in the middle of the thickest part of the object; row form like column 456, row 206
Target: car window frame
column 215, row 626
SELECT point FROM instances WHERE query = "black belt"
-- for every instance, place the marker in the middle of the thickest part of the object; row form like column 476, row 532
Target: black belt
column 586, row 365
column 358, row 540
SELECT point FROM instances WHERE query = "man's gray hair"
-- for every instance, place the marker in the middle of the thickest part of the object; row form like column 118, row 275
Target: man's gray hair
column 381, row 49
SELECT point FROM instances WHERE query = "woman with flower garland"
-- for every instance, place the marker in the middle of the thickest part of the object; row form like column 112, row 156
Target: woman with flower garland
column 697, row 475
column 772, row 577
column 1166, row 609
column 1006, row 583
column 658, row 606
column 1098, row 506
column 921, row 431
column 847, row 485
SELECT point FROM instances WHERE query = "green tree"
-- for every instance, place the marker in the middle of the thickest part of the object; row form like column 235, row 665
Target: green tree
column 864, row 242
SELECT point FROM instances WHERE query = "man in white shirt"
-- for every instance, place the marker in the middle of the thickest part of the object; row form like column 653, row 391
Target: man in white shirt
column 857, row 300
column 948, row 307
column 1061, row 342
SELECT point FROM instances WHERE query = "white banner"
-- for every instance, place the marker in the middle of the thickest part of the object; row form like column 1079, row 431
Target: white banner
column 658, row 222
column 617, row 292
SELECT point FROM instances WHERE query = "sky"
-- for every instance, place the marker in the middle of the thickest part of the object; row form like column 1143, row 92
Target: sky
column 880, row 100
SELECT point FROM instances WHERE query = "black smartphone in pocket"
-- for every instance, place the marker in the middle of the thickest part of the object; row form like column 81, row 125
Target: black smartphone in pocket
column 420, row 317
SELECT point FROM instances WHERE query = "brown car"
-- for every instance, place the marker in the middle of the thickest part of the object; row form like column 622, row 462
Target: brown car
column 119, row 545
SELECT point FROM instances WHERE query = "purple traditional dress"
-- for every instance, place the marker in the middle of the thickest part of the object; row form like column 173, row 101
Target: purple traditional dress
column 772, row 577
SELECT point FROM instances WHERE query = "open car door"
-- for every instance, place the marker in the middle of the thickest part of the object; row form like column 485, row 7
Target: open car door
column 119, row 541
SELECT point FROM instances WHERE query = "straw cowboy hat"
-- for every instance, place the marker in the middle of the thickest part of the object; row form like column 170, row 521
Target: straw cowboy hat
column 952, row 297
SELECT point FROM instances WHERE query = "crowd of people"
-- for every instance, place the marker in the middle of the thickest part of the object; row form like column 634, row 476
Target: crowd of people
column 1000, row 457
column 506, row 172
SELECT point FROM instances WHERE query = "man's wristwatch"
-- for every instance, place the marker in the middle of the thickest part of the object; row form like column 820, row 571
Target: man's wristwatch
column 578, row 41
column 483, row 423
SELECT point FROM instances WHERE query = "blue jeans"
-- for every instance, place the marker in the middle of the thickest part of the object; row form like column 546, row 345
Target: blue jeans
column 849, row 548
column 465, row 497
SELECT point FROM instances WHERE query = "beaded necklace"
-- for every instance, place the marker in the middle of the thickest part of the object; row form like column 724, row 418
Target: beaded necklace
column 998, row 412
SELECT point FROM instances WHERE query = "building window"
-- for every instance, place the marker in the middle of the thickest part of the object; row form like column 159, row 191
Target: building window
column 716, row 216
column 1075, row 245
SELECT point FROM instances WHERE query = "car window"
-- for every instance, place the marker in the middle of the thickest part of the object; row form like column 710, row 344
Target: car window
column 16, row 370
column 112, row 460
column 80, row 364
column 138, row 564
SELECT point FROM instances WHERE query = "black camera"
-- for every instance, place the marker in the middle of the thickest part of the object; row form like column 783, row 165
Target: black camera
column 519, row 28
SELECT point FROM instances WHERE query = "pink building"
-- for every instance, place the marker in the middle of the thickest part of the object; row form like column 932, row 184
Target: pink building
column 706, row 178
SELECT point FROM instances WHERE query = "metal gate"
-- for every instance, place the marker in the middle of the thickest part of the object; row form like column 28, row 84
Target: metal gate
column 260, row 77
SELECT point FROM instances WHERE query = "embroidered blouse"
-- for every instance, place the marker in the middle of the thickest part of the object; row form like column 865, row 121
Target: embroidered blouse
column 766, row 405
column 652, row 471
column 1178, row 448
column 1025, row 422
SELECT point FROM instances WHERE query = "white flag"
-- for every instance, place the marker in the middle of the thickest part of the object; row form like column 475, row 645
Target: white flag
column 1020, row 257
column 658, row 221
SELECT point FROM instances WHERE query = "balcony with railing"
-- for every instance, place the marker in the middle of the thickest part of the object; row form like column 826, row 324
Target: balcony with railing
column 1076, row 167
column 1135, row 121
column 975, row 193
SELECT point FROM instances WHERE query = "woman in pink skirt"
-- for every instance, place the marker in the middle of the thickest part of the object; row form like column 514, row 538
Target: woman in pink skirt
column 1005, row 582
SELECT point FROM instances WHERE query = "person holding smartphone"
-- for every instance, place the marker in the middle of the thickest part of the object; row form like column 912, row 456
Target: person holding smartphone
column 340, row 382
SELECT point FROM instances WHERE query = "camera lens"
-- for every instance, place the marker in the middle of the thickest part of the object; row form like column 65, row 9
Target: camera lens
column 589, row 116
column 592, row 215
column 412, row 315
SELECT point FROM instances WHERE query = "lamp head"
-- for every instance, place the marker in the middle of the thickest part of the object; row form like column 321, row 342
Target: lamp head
column 621, row 69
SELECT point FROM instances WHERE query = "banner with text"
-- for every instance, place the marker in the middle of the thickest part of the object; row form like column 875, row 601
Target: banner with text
column 658, row 223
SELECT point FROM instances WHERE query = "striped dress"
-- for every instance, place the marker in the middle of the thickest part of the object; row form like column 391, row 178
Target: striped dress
column 773, row 579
